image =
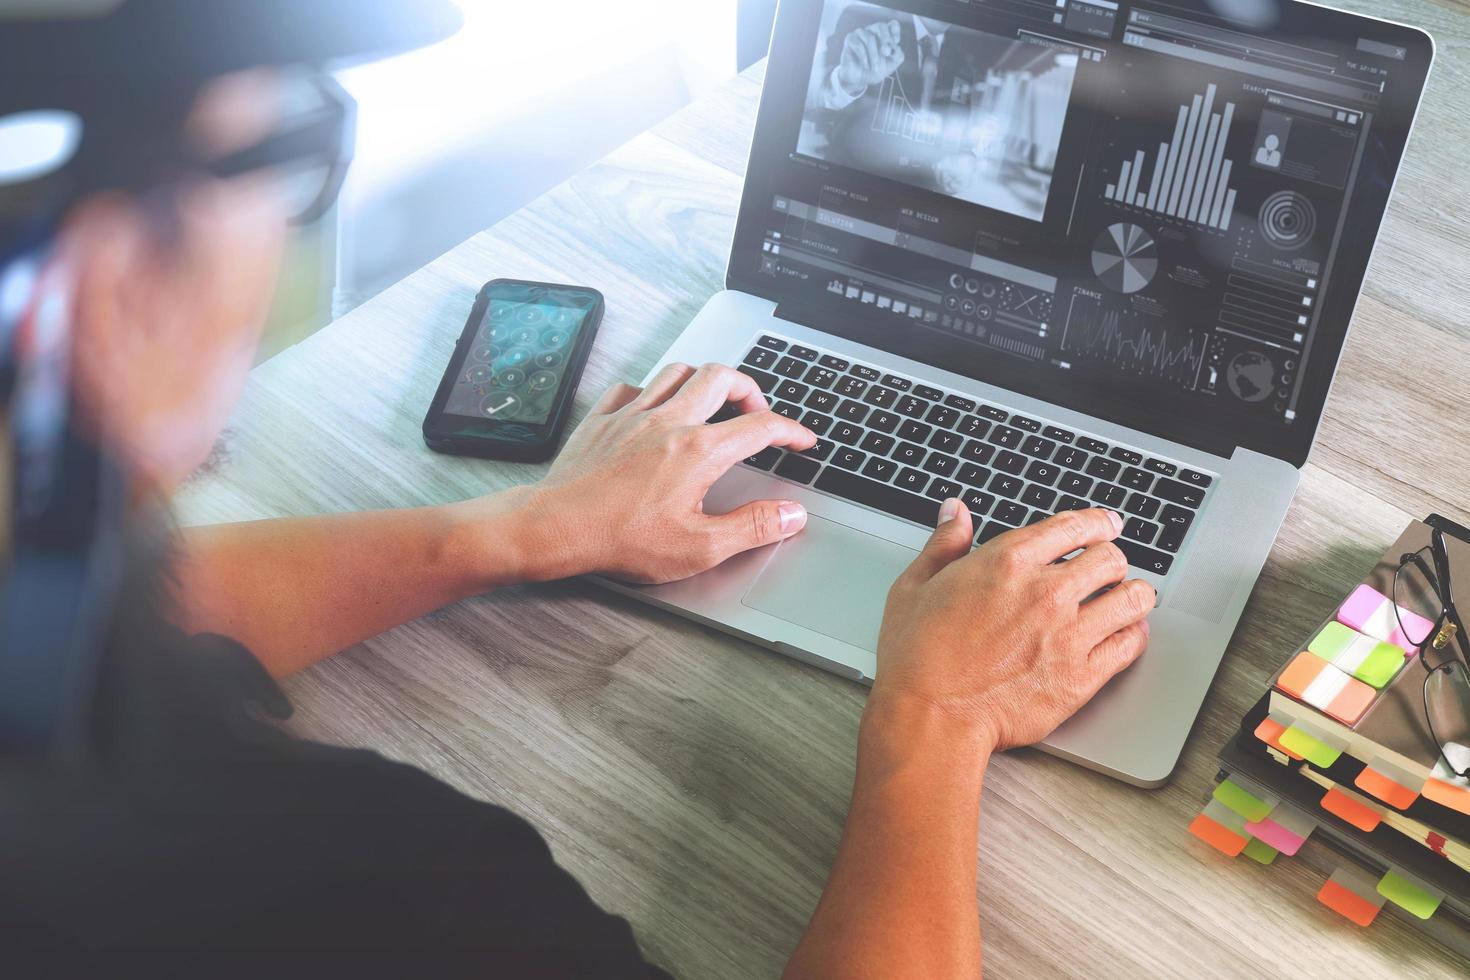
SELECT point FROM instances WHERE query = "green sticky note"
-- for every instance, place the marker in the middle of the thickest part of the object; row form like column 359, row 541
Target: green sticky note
column 1318, row 753
column 1243, row 803
column 1407, row 895
column 1334, row 639
column 1260, row 852
column 1380, row 666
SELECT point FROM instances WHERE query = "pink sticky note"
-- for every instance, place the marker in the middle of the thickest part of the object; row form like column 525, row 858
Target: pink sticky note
column 1369, row 611
column 1276, row 835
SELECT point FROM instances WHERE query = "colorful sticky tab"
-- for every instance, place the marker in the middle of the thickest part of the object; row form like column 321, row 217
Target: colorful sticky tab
column 1351, row 896
column 1314, row 750
column 1260, row 852
column 1270, row 731
column 1369, row 611
column 1218, row 836
column 1246, row 804
column 1409, row 895
column 1387, row 788
column 1359, row 813
column 1447, row 794
column 1311, row 679
column 1370, row 660
column 1284, row 834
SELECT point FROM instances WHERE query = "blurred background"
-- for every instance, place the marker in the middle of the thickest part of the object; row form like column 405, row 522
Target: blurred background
column 452, row 138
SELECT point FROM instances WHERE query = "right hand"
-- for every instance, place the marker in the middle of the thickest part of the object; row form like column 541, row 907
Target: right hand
column 1002, row 638
column 869, row 55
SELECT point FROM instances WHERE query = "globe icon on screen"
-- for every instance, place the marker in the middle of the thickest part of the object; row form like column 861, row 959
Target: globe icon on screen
column 1251, row 376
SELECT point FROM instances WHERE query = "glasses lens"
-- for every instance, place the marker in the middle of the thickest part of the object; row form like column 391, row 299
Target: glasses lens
column 1447, row 703
column 1414, row 591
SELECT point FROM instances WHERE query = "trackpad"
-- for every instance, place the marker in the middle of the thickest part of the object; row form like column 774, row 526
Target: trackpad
column 832, row 579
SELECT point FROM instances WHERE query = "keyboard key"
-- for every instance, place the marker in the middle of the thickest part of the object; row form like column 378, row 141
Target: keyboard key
column 1137, row 529
column 820, row 450
column 1127, row 456
column 880, row 396
column 817, row 422
column 910, row 454
column 990, row 530
column 1070, row 457
column 894, row 381
column 883, row 421
column 1103, row 469
column 1037, row 516
column 1044, row 473
column 1136, row 479
column 852, row 411
column 949, row 442
column 1030, row 425
column 1069, row 502
column 835, row 363
column 974, row 427
column 880, row 469
column 1074, row 483
column 911, row 406
column 1177, row 517
column 960, row 402
column 1107, row 495
column 941, row 464
column 1091, row 445
column 977, row 452
column 1012, row 463
column 1038, row 496
column 1060, row 435
column 1009, row 512
column 879, row 496
column 798, row 468
column 1006, row 486
column 913, row 431
column 1171, row 537
column 1005, row 436
column 1142, row 506
column 943, row 417
column 973, row 475
column 805, row 353
column 790, row 391
column 850, row 387
column 848, row 459
column 787, row 410
column 1179, row 493
column 943, row 489
column 911, row 479
column 820, row 377
column 1038, row 447
column 764, row 459
column 1195, row 477
column 865, row 372
column 932, row 394
column 790, row 367
column 1159, row 466
column 1141, row 556
column 846, row 433
column 994, row 414
column 978, row 501
column 763, row 380
column 760, row 358
column 772, row 343
column 822, row 401
column 877, row 442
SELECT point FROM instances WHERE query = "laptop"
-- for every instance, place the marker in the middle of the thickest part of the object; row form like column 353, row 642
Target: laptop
column 1044, row 255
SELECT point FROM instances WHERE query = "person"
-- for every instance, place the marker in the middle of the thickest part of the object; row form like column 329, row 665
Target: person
column 176, row 826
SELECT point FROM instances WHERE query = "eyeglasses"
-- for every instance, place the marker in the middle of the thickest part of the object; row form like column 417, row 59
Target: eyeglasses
column 1421, row 586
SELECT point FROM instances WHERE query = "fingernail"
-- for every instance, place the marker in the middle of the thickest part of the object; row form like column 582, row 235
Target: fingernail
column 949, row 510
column 793, row 518
column 1117, row 519
column 1145, row 627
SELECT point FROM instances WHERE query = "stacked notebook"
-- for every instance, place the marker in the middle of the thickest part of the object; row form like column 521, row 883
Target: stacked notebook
column 1339, row 749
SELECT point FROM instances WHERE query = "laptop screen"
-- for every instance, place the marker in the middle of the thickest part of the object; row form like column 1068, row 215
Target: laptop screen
column 1159, row 213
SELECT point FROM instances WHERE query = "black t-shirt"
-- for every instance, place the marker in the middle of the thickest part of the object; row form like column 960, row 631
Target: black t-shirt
column 200, row 840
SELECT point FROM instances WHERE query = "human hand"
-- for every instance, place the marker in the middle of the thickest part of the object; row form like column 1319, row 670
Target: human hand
column 625, row 497
column 1002, row 638
column 955, row 172
column 869, row 55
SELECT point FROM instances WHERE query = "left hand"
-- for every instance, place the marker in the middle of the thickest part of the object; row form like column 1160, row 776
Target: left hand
column 625, row 497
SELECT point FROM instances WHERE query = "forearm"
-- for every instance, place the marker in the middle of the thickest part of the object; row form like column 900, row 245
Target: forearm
column 296, row 590
column 901, row 900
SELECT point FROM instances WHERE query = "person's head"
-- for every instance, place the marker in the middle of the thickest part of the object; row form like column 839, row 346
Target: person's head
column 1272, row 141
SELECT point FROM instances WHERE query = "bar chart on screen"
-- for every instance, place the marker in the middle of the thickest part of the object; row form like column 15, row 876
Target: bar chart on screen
column 1189, row 176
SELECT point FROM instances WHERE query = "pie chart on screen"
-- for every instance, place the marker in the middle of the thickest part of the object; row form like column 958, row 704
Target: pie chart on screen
column 1124, row 258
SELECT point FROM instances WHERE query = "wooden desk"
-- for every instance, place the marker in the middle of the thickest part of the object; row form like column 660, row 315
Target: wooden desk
column 698, row 784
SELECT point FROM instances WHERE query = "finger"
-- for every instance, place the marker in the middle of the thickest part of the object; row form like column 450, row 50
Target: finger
column 737, row 438
column 950, row 540
column 1110, row 657
column 1117, row 608
column 615, row 398
column 870, row 49
column 1096, row 568
column 859, row 53
column 664, row 384
column 758, row 523
column 1048, row 540
column 710, row 388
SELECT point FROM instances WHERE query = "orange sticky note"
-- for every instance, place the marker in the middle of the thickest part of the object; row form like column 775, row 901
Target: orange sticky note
column 1375, row 783
column 1218, row 836
column 1348, row 904
column 1270, row 732
column 1360, row 815
column 1446, row 794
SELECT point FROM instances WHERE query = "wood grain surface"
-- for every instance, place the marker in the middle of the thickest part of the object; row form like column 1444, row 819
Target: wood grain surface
column 698, row 784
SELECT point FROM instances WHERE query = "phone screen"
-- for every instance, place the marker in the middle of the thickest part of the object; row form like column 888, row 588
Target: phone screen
column 520, row 352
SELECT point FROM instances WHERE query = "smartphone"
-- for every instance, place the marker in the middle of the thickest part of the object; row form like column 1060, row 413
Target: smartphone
column 508, row 389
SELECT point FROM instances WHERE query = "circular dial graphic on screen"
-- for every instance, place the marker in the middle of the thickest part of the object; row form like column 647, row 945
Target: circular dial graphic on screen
column 1124, row 258
column 1288, row 220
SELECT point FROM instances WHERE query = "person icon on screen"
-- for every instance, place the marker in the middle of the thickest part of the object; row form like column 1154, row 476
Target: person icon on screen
column 1268, row 154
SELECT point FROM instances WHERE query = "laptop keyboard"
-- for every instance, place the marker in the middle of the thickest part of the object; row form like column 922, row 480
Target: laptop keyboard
column 900, row 446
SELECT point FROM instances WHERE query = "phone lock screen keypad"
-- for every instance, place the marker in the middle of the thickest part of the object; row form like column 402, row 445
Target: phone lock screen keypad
column 520, row 353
